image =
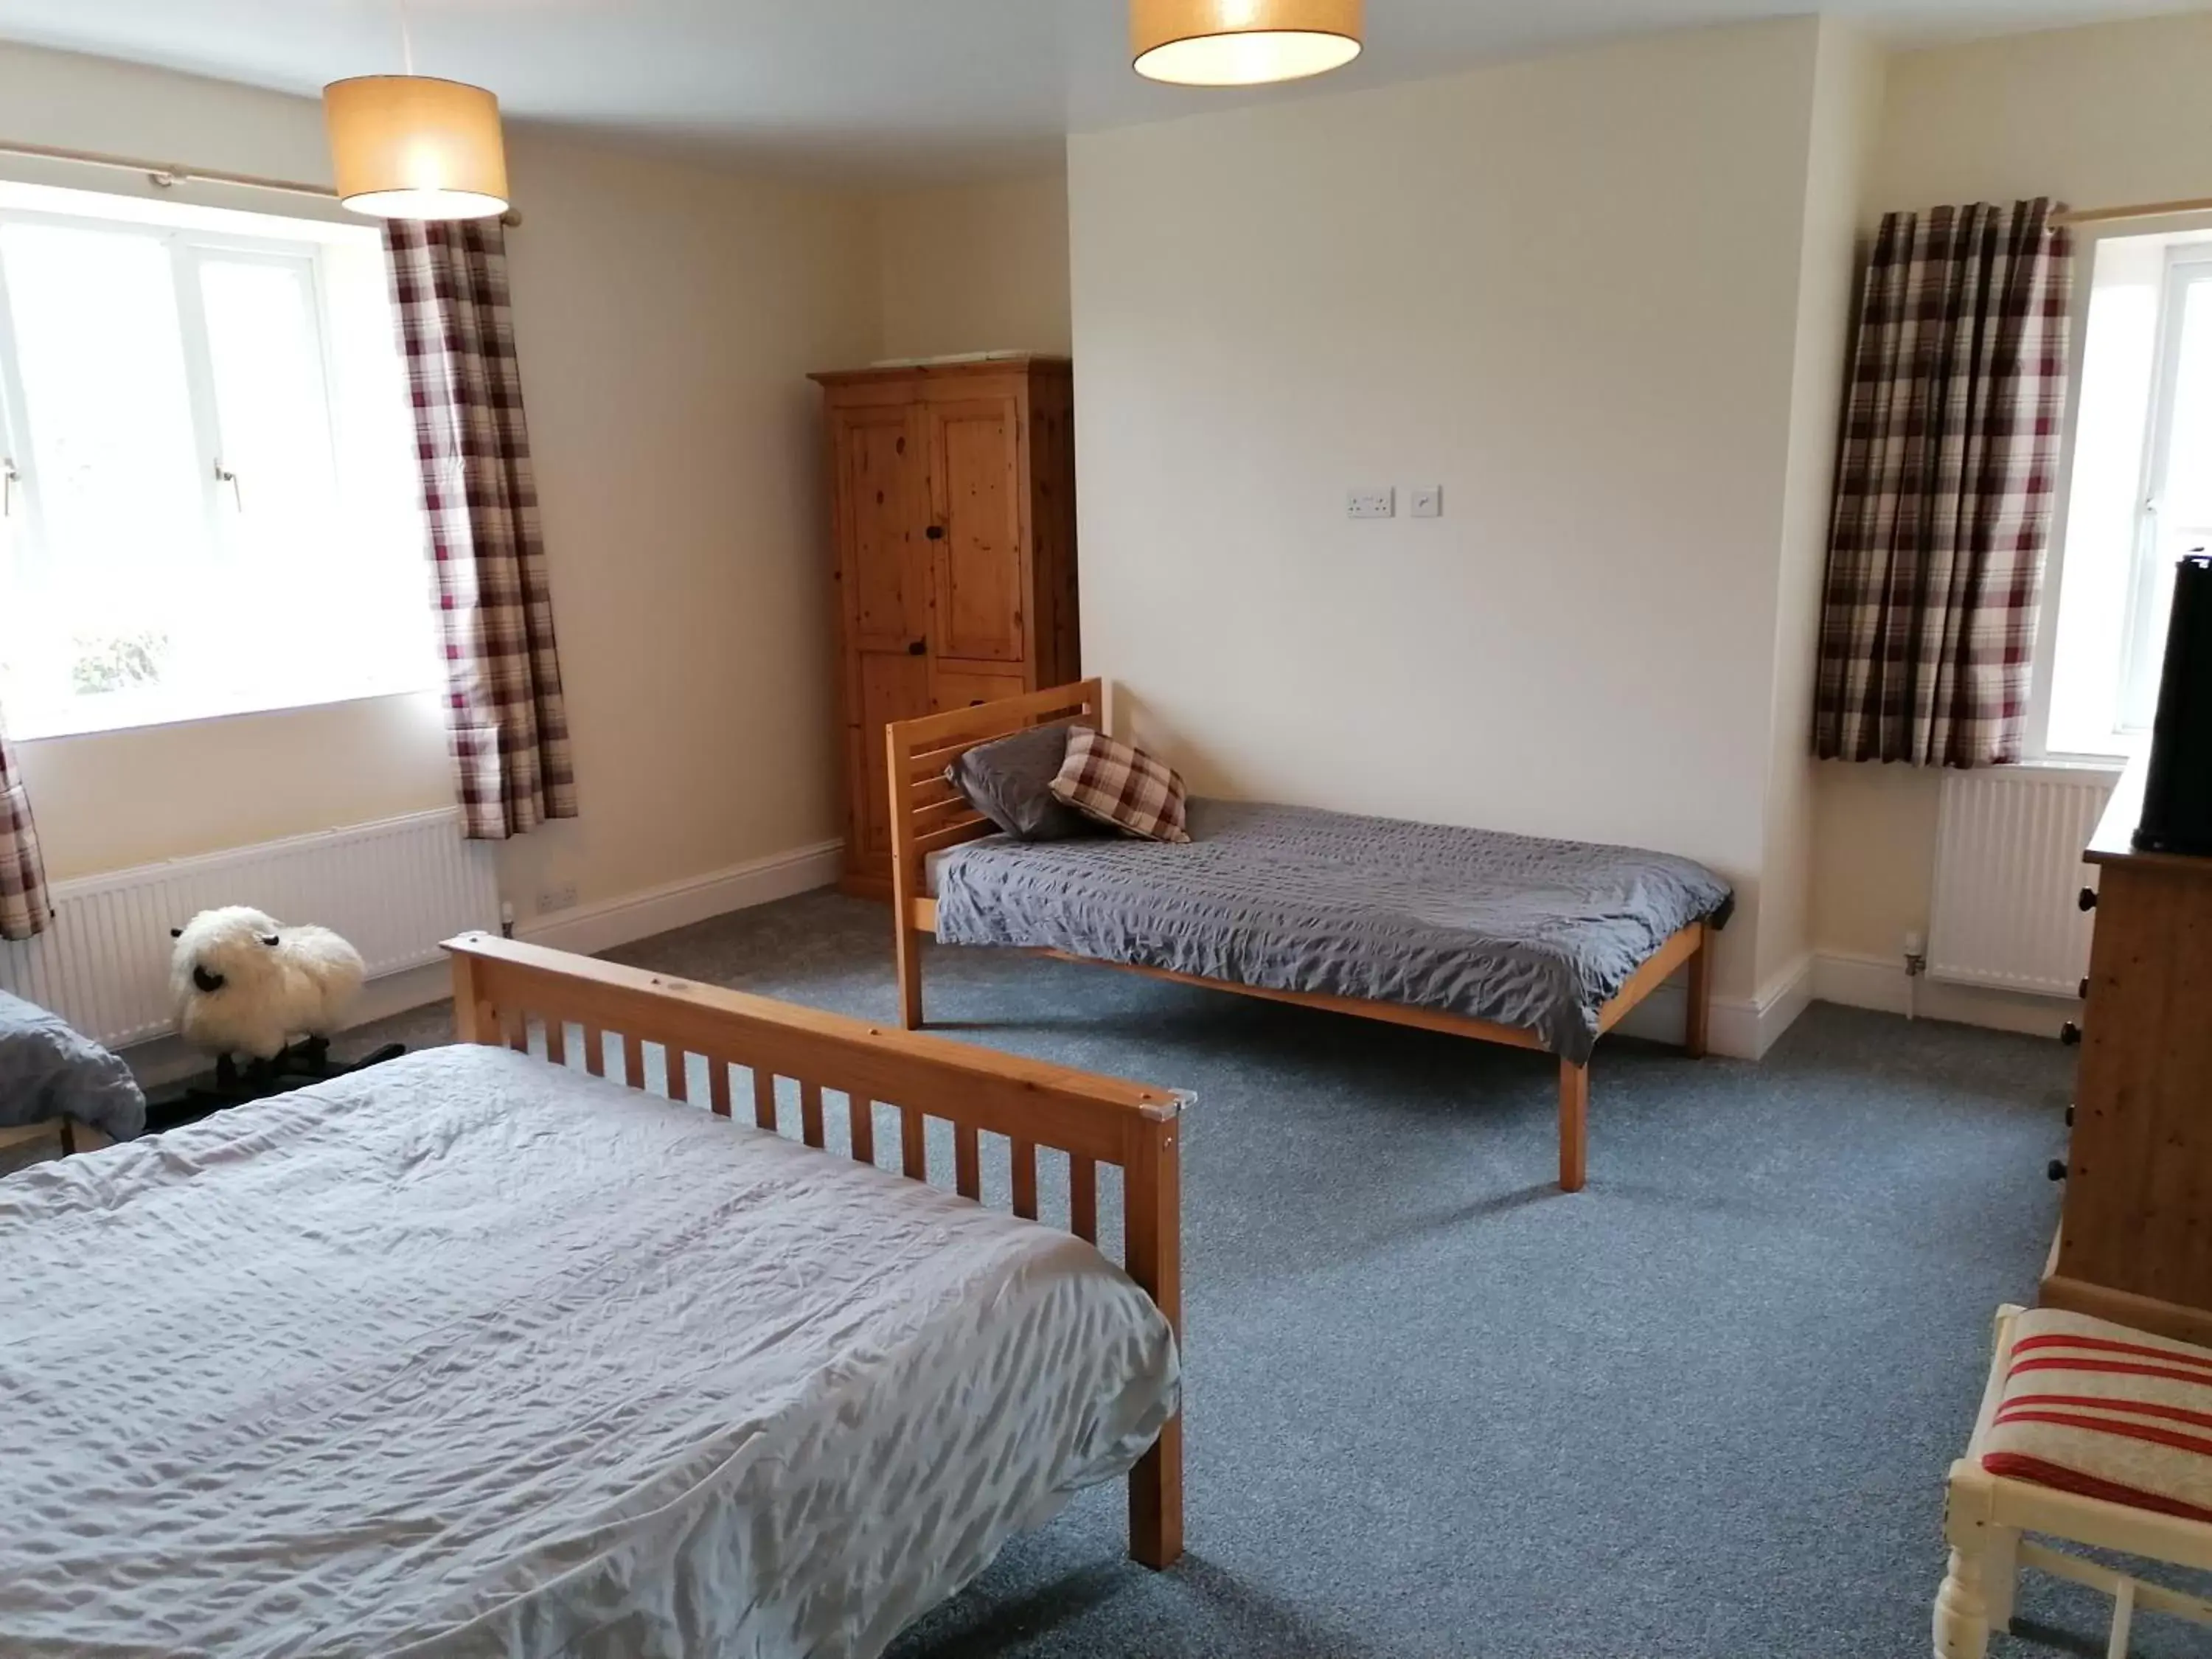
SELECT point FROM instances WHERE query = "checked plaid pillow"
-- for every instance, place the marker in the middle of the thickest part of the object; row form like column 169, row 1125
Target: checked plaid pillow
column 1118, row 784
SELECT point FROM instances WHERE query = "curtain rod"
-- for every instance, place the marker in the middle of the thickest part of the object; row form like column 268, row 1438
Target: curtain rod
column 165, row 174
column 2136, row 210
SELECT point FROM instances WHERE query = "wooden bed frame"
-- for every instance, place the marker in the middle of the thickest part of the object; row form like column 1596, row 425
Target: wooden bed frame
column 927, row 814
column 503, row 990
column 69, row 1135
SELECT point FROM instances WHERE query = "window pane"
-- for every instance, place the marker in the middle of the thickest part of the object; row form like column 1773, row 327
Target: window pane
column 2183, row 523
column 109, row 460
column 272, row 418
column 2188, row 496
column 330, row 588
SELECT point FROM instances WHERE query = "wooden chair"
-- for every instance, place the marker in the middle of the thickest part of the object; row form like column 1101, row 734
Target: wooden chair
column 1985, row 1514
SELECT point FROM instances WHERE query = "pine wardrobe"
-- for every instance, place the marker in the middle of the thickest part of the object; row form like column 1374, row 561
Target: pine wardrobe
column 952, row 521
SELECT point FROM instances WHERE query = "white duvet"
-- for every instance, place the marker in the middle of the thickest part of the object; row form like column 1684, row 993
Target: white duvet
column 471, row 1355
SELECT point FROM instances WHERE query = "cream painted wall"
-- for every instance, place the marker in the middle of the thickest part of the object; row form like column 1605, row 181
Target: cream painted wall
column 1846, row 111
column 666, row 319
column 1569, row 290
column 666, row 316
column 2097, row 115
column 979, row 267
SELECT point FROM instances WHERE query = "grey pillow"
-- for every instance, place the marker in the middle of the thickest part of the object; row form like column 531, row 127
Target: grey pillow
column 1010, row 782
column 48, row 1069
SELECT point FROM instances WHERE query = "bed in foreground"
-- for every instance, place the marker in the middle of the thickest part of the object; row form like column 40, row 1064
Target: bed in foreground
column 1533, row 944
column 475, row 1353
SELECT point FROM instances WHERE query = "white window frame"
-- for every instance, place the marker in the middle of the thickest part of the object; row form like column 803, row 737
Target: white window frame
column 2189, row 239
column 187, row 250
column 225, row 494
column 2187, row 264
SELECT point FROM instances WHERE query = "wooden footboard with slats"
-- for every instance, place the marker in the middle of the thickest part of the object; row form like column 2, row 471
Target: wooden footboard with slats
column 503, row 990
column 928, row 815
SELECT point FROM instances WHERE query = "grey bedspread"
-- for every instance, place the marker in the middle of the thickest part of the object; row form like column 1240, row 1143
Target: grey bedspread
column 1513, row 929
column 47, row 1070
column 471, row 1355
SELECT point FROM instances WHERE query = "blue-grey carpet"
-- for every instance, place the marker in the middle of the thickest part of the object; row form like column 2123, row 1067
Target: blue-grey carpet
column 1435, row 1407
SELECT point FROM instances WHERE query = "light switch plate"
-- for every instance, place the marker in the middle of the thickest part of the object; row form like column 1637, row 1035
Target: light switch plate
column 1429, row 502
column 1371, row 504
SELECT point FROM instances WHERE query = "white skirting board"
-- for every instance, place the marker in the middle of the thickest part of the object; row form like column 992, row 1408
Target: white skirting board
column 1741, row 1028
column 1745, row 1030
column 602, row 926
column 1858, row 981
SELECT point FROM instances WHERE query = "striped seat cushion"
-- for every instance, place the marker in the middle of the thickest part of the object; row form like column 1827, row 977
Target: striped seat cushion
column 2102, row 1411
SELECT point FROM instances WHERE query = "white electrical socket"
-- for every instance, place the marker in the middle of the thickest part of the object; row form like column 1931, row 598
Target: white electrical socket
column 551, row 899
column 1428, row 501
column 1371, row 503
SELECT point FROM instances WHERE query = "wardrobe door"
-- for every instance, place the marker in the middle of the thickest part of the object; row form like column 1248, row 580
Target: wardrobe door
column 957, row 686
column 976, row 528
column 882, row 503
column 893, row 686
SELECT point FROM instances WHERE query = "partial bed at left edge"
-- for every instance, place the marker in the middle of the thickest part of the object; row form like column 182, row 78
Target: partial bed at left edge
column 481, row 1353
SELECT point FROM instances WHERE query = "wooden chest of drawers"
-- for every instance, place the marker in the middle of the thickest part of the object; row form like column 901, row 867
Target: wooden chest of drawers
column 2135, row 1245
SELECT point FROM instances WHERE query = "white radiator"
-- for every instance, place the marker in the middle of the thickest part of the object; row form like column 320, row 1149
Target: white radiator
column 395, row 889
column 2008, row 877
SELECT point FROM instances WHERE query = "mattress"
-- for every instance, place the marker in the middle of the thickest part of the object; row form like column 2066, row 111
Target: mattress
column 471, row 1355
column 1522, row 932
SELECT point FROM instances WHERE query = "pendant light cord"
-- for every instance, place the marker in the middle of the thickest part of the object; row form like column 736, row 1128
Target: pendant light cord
column 406, row 41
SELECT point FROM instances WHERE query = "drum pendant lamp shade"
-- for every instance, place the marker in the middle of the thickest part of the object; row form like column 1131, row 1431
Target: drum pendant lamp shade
column 412, row 147
column 1241, row 43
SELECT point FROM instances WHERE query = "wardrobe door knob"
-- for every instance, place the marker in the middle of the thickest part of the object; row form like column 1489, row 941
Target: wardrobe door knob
column 2088, row 899
column 2056, row 1169
column 2083, row 993
column 935, row 533
column 2071, row 1034
column 917, row 647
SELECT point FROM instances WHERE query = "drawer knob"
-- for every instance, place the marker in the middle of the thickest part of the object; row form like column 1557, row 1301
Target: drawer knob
column 2056, row 1169
column 2083, row 993
column 2070, row 1117
column 2071, row 1034
column 935, row 533
column 2088, row 899
column 917, row 647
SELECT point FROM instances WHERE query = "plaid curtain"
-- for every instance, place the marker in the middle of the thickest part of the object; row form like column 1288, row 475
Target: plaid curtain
column 23, row 907
column 505, row 722
column 1944, row 486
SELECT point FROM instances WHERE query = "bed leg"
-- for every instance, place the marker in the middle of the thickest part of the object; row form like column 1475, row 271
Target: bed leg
column 1156, row 1501
column 906, row 944
column 1151, row 1248
column 1695, row 1022
column 1574, row 1125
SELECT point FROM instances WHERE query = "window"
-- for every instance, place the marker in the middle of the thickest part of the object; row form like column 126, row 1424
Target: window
column 209, row 499
column 2141, row 490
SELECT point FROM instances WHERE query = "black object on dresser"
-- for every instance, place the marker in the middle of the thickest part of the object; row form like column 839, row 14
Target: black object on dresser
column 2177, row 809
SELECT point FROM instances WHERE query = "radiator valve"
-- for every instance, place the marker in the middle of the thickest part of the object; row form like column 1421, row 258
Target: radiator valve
column 1915, row 955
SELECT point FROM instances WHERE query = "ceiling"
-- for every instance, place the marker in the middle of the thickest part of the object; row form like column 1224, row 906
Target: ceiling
column 892, row 89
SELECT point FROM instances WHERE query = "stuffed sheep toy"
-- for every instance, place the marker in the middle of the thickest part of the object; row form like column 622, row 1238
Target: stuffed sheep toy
column 246, row 984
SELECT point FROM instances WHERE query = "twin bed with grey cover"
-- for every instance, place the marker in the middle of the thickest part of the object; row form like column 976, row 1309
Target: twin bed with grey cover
column 475, row 1353
column 53, row 1079
column 1532, row 943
